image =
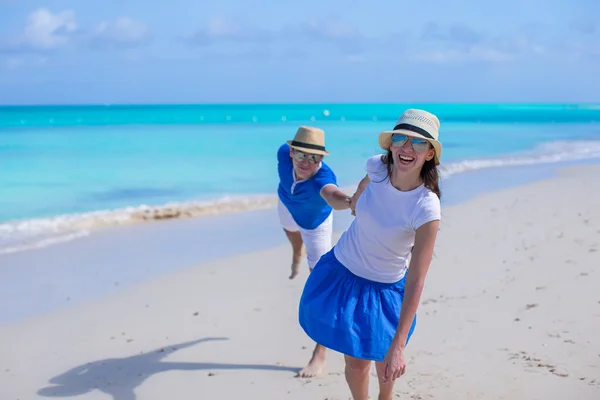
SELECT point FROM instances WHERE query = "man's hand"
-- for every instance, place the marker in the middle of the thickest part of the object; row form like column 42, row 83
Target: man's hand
column 337, row 199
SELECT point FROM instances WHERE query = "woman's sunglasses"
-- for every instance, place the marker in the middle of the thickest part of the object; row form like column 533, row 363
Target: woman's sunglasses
column 312, row 158
column 420, row 145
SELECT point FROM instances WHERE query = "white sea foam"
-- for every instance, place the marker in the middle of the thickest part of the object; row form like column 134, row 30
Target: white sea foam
column 35, row 233
column 40, row 232
column 552, row 152
column 35, row 242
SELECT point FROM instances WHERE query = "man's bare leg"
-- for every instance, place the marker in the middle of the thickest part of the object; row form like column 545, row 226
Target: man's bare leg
column 315, row 365
column 295, row 239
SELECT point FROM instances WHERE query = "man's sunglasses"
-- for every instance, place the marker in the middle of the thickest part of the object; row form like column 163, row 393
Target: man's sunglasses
column 301, row 156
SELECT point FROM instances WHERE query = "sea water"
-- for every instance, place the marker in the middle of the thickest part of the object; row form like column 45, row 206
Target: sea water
column 68, row 170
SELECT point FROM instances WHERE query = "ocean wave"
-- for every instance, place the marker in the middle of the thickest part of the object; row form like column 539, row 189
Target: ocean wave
column 35, row 233
column 545, row 153
column 40, row 232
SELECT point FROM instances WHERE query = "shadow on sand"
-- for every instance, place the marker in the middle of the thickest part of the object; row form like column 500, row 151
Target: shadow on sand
column 118, row 377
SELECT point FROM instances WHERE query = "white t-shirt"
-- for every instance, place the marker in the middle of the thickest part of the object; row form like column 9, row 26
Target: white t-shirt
column 377, row 245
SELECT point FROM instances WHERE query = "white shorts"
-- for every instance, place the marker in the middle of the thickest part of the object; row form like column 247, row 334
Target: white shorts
column 317, row 241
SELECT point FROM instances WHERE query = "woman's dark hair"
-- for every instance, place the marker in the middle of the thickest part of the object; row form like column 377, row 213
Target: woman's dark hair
column 429, row 173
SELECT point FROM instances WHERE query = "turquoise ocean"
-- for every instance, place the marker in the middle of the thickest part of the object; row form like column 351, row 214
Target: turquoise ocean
column 67, row 170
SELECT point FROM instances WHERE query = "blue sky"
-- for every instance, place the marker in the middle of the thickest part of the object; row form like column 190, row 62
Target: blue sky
column 183, row 51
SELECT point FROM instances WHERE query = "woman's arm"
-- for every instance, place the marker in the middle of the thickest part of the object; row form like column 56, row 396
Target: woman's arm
column 362, row 185
column 415, row 280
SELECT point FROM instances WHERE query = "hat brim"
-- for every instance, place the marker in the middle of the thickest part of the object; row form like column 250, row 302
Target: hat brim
column 385, row 141
column 308, row 150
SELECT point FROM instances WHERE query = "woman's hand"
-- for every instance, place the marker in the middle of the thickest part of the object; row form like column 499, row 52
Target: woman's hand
column 394, row 365
column 362, row 185
column 353, row 201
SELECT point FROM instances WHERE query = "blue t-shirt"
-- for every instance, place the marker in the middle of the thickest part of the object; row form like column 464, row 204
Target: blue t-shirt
column 303, row 198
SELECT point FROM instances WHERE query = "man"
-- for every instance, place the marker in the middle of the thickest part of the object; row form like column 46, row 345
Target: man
column 308, row 193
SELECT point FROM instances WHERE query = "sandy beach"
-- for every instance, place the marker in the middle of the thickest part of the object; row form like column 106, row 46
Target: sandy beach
column 511, row 310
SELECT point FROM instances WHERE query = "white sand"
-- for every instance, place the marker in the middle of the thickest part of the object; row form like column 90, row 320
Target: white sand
column 511, row 310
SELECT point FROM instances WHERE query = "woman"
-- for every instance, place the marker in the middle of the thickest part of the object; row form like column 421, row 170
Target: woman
column 308, row 193
column 362, row 296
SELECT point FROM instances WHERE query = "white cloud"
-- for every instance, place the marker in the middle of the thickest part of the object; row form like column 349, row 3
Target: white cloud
column 222, row 29
column 321, row 30
column 122, row 32
column 455, row 34
column 46, row 30
column 20, row 62
column 476, row 53
column 435, row 43
column 461, row 43
column 236, row 37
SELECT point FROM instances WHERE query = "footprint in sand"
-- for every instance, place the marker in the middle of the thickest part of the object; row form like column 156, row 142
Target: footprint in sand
column 532, row 362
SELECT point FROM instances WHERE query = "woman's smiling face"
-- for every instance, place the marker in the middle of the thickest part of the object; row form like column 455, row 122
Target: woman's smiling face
column 410, row 153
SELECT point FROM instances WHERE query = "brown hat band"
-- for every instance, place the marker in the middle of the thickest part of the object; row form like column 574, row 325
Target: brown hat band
column 415, row 129
column 307, row 145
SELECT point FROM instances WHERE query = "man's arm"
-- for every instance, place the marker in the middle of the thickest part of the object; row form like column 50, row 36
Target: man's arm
column 337, row 199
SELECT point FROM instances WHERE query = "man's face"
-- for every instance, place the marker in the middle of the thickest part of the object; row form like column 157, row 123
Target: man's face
column 305, row 164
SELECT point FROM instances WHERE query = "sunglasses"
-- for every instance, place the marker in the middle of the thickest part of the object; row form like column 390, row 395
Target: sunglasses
column 312, row 158
column 420, row 145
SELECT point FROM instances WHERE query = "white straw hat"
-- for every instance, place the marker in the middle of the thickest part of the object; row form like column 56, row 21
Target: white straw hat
column 415, row 123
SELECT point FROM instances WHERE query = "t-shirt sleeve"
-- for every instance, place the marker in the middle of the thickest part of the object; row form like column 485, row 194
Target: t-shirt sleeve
column 283, row 153
column 376, row 169
column 429, row 209
column 324, row 178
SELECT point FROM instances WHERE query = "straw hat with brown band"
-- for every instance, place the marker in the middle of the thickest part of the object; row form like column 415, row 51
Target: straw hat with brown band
column 415, row 123
column 309, row 140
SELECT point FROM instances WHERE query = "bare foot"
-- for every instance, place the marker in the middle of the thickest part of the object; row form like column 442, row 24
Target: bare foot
column 295, row 270
column 316, row 364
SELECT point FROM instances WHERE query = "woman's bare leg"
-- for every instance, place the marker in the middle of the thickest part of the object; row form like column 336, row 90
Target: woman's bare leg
column 295, row 239
column 357, row 376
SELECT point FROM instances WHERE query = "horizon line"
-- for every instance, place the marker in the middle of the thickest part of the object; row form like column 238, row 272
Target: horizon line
column 122, row 104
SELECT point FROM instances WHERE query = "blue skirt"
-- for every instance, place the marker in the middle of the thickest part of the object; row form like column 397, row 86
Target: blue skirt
column 349, row 314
